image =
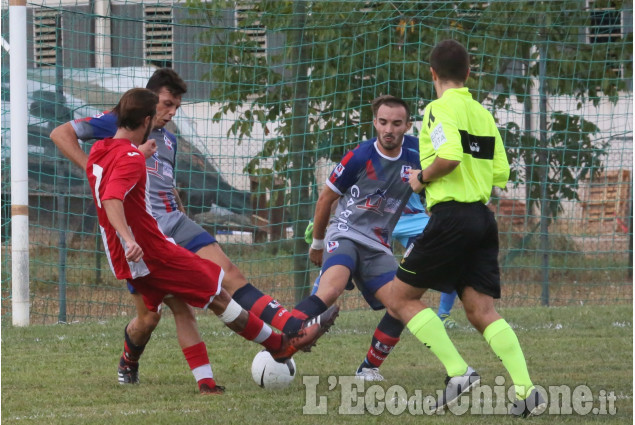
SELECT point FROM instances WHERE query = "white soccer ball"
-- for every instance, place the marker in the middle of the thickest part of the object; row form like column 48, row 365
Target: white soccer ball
column 270, row 374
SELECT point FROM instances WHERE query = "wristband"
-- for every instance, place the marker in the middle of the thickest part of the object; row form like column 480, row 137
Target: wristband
column 420, row 178
column 317, row 244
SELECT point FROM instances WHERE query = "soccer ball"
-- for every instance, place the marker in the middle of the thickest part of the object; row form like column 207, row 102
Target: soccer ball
column 270, row 374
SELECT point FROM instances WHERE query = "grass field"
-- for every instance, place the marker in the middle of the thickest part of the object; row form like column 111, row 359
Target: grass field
column 65, row 374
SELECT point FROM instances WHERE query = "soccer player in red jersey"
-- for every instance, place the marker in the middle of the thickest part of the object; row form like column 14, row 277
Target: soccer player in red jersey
column 139, row 252
column 168, row 210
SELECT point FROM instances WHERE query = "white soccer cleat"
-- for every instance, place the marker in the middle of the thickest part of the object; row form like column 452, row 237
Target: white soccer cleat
column 455, row 386
column 369, row 374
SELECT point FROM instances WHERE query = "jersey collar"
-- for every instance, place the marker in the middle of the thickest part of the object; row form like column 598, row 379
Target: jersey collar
column 389, row 158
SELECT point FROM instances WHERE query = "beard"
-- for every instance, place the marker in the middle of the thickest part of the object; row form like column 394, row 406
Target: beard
column 148, row 131
column 390, row 144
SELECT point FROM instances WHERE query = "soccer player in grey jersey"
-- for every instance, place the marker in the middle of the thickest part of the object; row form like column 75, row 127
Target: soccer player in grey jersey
column 371, row 188
column 167, row 209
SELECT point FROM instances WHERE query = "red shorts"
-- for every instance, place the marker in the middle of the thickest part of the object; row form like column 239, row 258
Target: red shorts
column 185, row 275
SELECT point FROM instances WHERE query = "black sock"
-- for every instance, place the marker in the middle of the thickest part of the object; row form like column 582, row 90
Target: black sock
column 131, row 351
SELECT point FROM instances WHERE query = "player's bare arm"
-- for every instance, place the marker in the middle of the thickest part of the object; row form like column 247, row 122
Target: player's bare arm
column 177, row 198
column 65, row 139
column 116, row 217
column 320, row 222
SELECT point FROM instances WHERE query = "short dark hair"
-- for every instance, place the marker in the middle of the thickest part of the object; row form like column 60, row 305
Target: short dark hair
column 450, row 61
column 389, row 100
column 168, row 78
column 134, row 106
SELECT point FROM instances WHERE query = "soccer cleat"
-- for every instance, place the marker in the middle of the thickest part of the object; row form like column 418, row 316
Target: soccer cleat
column 128, row 374
column 369, row 374
column 455, row 386
column 325, row 320
column 448, row 321
column 306, row 337
column 533, row 405
column 216, row 389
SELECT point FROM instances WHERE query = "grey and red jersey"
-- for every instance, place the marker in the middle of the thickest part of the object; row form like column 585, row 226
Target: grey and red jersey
column 374, row 191
column 160, row 166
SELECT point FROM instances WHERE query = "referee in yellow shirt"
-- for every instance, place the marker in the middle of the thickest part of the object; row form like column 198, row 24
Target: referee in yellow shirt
column 462, row 157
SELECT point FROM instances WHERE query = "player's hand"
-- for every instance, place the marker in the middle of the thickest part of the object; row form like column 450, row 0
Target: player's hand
column 133, row 251
column 148, row 148
column 413, row 180
column 315, row 255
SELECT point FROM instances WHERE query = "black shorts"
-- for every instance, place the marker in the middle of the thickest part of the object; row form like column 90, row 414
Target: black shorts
column 458, row 248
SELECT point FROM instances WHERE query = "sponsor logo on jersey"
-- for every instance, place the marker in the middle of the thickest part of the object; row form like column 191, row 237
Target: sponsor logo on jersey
column 133, row 153
column 392, row 205
column 332, row 246
column 374, row 201
column 474, row 147
column 405, row 172
column 167, row 171
column 345, row 214
column 101, row 114
column 168, row 142
column 438, row 137
column 339, row 170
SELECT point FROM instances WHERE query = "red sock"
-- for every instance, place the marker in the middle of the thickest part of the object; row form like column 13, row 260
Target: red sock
column 264, row 306
column 379, row 349
column 300, row 315
column 198, row 360
column 256, row 330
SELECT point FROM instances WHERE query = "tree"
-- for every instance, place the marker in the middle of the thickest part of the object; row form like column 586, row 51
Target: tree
column 562, row 150
column 327, row 60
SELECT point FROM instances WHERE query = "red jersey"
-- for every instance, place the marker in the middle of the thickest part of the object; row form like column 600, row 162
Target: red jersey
column 116, row 169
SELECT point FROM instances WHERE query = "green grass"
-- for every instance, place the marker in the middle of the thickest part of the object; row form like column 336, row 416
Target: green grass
column 65, row 374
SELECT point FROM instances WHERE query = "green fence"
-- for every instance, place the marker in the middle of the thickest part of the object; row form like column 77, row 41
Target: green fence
column 279, row 90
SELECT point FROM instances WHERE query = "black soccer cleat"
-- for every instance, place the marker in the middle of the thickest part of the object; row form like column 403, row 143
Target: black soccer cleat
column 306, row 337
column 216, row 389
column 128, row 374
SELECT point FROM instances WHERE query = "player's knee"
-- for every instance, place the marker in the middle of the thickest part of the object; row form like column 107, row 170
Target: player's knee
column 479, row 316
column 184, row 314
column 234, row 273
column 329, row 294
column 220, row 302
column 148, row 321
column 233, row 279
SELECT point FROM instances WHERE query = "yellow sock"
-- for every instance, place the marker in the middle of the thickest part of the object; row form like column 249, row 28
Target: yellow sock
column 504, row 342
column 428, row 329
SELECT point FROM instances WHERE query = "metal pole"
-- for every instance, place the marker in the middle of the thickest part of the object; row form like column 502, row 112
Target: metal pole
column 544, row 175
column 300, row 163
column 19, row 165
column 102, row 34
column 62, row 198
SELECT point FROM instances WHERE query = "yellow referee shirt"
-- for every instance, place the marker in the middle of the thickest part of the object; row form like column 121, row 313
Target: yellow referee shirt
column 458, row 128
